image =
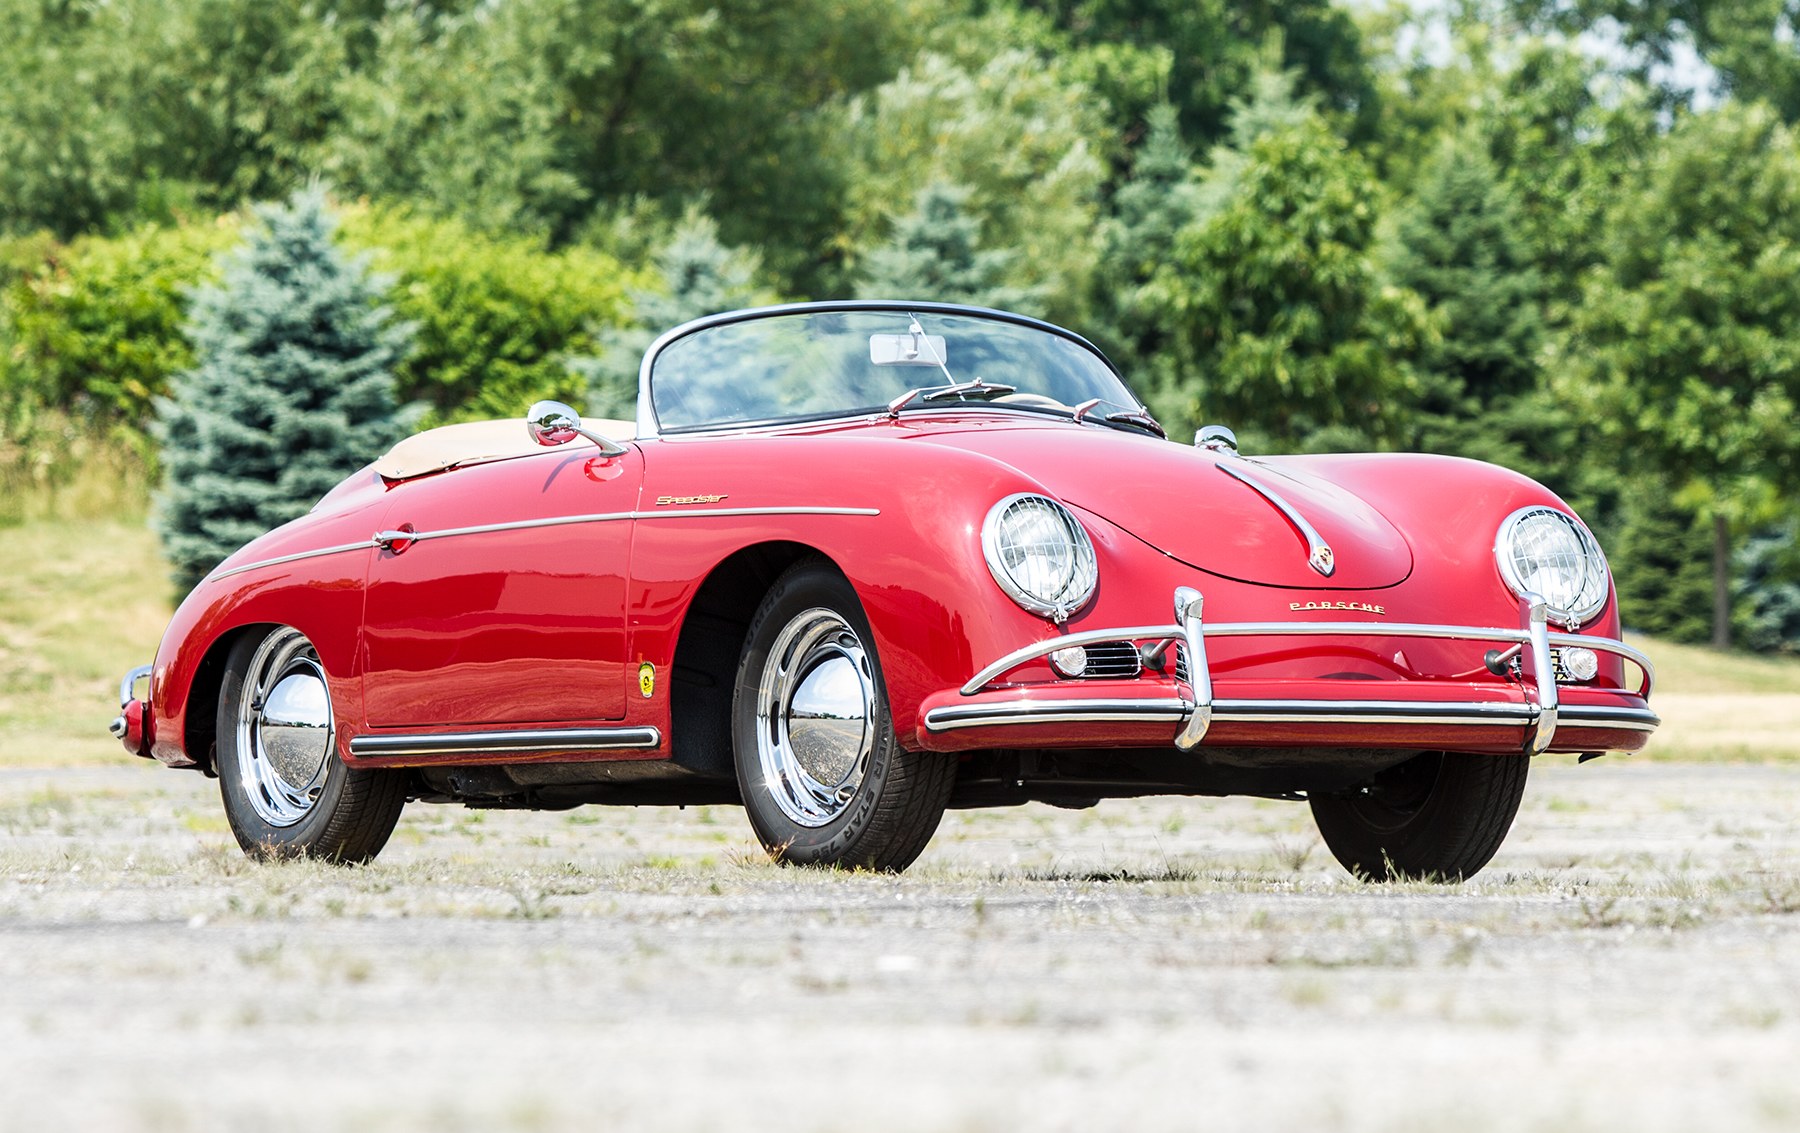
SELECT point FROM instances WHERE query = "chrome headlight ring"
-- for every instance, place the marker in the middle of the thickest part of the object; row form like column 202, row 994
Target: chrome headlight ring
column 1040, row 555
column 1549, row 552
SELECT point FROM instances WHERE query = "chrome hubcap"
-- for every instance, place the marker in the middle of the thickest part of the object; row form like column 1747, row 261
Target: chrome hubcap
column 815, row 717
column 284, row 730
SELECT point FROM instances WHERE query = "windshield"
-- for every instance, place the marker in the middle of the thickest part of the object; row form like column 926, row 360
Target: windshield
column 823, row 363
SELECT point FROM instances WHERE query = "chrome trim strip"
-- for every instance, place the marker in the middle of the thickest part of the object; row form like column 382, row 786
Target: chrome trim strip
column 129, row 685
column 341, row 548
column 410, row 537
column 1006, row 712
column 1318, row 552
column 1502, row 713
column 1378, row 629
column 1146, row 710
column 509, row 742
column 1593, row 716
column 617, row 516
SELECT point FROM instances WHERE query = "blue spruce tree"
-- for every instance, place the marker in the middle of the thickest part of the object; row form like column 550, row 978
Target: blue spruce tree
column 935, row 253
column 700, row 276
column 291, row 388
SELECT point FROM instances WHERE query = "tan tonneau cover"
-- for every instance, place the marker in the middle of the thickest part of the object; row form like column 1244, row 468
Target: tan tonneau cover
column 475, row 442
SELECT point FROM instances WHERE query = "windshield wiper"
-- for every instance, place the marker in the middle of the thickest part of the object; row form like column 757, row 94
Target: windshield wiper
column 1137, row 420
column 976, row 390
column 1131, row 418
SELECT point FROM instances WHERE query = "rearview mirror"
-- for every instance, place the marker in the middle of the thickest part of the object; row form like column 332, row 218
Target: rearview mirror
column 907, row 350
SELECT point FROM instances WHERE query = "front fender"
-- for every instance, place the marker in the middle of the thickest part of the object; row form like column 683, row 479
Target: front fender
column 319, row 593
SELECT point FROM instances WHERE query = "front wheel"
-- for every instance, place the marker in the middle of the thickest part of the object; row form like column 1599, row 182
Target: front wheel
column 822, row 777
column 1439, row 816
column 286, row 792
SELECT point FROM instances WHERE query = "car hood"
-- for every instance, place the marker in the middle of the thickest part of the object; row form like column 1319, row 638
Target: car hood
column 1179, row 500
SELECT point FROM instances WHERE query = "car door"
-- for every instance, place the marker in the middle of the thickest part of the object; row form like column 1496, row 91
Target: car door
column 503, row 602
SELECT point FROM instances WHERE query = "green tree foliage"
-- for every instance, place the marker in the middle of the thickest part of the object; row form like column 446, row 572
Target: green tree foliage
column 497, row 316
column 936, row 253
column 1750, row 44
column 1458, row 246
column 1014, row 132
column 696, row 275
column 1276, row 307
column 1569, row 147
column 291, row 389
column 69, row 147
column 94, row 326
column 1662, row 565
column 1686, row 347
column 1768, row 589
column 534, row 113
column 1217, row 46
column 110, row 112
column 1137, row 242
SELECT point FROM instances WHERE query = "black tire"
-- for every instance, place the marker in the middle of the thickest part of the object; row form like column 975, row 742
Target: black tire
column 827, row 788
column 338, row 814
column 1439, row 816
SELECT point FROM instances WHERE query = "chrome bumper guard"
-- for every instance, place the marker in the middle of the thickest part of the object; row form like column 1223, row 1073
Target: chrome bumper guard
column 1196, row 714
column 127, row 689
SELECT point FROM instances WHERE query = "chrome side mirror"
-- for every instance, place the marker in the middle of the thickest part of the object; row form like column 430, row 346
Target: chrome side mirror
column 1216, row 438
column 552, row 423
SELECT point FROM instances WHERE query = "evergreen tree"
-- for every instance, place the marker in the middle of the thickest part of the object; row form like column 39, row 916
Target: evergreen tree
column 1768, row 590
column 936, row 253
column 1661, row 562
column 1138, row 243
column 699, row 276
column 291, row 388
column 1458, row 247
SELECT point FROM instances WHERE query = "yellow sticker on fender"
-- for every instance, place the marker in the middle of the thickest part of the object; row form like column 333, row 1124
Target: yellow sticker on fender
column 647, row 679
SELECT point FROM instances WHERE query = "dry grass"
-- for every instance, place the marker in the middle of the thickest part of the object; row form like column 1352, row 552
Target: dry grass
column 81, row 604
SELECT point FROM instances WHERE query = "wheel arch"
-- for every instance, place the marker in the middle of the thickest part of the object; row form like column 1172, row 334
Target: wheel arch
column 710, row 644
column 200, row 713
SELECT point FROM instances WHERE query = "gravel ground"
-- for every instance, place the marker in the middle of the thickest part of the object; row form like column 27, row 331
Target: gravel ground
column 1630, row 960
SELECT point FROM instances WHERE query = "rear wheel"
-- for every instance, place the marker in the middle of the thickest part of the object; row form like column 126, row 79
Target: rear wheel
column 823, row 779
column 1439, row 816
column 286, row 792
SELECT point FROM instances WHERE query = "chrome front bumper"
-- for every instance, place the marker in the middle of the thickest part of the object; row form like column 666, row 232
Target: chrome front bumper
column 1540, row 713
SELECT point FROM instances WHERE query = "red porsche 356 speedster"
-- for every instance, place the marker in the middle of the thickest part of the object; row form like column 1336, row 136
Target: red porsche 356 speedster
column 857, row 562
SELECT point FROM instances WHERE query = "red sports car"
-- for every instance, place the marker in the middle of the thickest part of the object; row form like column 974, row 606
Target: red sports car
column 857, row 562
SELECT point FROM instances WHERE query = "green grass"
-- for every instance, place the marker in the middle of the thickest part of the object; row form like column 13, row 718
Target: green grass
column 84, row 599
column 82, row 602
column 1695, row 670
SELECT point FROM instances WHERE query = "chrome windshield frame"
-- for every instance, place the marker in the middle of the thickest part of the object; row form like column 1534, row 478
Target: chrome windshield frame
column 649, row 428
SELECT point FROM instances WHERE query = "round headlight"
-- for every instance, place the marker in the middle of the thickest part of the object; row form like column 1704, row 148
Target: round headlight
column 1040, row 555
column 1550, row 553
